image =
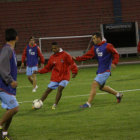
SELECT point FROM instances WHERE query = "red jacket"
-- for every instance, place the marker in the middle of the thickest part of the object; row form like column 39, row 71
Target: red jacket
column 60, row 64
column 138, row 48
column 24, row 54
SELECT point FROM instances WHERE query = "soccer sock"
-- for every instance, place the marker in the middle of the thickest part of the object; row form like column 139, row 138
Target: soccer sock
column 5, row 133
column 88, row 104
column 118, row 94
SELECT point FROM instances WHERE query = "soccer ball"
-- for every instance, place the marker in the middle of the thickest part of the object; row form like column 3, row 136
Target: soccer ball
column 37, row 104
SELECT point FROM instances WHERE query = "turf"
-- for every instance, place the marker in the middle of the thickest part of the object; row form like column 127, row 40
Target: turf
column 105, row 120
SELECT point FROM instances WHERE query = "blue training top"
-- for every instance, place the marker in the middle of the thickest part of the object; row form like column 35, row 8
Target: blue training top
column 104, row 58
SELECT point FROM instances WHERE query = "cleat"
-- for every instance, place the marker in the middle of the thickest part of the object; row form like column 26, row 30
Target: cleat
column 1, row 135
column 36, row 87
column 34, row 90
column 85, row 106
column 119, row 97
column 54, row 107
column 6, row 137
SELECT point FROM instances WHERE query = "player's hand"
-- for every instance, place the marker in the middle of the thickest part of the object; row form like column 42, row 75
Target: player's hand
column 35, row 72
column 14, row 84
column 74, row 58
column 74, row 75
column 42, row 66
column 22, row 65
column 113, row 66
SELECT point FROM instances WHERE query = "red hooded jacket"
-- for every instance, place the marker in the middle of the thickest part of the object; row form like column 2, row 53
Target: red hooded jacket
column 60, row 65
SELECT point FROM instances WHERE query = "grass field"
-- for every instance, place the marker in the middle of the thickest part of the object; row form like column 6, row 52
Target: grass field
column 106, row 120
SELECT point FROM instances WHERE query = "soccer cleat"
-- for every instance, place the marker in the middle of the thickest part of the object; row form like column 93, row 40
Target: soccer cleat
column 85, row 106
column 6, row 137
column 36, row 87
column 119, row 97
column 1, row 135
column 34, row 90
column 54, row 107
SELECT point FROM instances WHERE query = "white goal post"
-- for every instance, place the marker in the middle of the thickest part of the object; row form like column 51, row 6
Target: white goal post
column 64, row 37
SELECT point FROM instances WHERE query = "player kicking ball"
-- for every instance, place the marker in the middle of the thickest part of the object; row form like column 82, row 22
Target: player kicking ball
column 107, row 57
column 60, row 64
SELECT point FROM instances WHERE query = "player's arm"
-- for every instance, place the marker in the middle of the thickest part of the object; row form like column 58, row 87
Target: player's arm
column 24, row 56
column 74, row 70
column 47, row 68
column 73, row 65
column 5, row 57
column 113, row 51
column 138, row 48
column 41, row 57
column 90, row 54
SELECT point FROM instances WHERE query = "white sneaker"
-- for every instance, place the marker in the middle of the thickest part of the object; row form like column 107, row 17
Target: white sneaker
column 34, row 90
column 36, row 87
column 54, row 106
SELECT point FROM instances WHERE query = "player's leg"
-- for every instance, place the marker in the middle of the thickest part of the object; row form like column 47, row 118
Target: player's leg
column 61, row 86
column 30, row 79
column 46, row 93
column 59, row 94
column 34, row 83
column 108, row 89
column 34, row 78
column 29, row 74
column 94, row 87
column 112, row 91
column 10, row 103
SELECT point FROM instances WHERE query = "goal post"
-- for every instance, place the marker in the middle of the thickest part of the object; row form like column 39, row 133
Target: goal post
column 65, row 39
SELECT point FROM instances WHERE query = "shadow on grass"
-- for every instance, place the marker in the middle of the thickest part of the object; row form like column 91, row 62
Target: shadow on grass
column 47, row 113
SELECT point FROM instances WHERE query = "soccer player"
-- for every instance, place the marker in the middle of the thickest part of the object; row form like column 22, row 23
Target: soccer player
column 8, row 82
column 107, row 56
column 60, row 64
column 32, row 52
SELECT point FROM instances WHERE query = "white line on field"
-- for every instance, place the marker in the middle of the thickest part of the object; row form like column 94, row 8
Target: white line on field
column 87, row 95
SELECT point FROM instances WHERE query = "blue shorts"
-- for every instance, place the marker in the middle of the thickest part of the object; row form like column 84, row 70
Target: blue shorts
column 30, row 70
column 54, row 85
column 8, row 101
column 101, row 78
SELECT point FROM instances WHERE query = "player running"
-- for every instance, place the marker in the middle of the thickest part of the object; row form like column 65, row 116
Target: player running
column 8, row 82
column 107, row 57
column 32, row 52
column 60, row 64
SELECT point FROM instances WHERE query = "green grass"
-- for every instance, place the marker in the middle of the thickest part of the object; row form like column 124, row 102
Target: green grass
column 106, row 120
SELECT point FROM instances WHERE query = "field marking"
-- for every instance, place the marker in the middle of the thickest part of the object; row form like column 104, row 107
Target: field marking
column 102, row 93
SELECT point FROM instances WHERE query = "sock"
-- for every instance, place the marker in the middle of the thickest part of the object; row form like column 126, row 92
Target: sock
column 88, row 104
column 0, row 127
column 5, row 133
column 118, row 94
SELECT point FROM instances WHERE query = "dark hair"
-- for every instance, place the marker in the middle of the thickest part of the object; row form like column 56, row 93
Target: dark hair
column 32, row 37
column 10, row 34
column 97, row 35
column 54, row 43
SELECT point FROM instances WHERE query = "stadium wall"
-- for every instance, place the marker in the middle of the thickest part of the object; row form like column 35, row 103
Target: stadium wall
column 44, row 18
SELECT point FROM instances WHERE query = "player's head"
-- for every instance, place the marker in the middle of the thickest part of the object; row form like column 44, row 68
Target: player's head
column 97, row 38
column 11, row 35
column 55, row 47
column 32, row 40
